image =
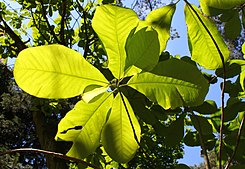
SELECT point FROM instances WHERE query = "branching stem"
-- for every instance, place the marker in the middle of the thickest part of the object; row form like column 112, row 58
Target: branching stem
column 54, row 154
column 224, row 81
column 237, row 142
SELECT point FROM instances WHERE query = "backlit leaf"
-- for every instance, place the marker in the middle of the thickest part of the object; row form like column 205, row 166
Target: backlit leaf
column 118, row 136
column 223, row 4
column 143, row 50
column 172, row 83
column 203, row 49
column 233, row 26
column 160, row 19
column 113, row 25
column 91, row 117
column 55, row 71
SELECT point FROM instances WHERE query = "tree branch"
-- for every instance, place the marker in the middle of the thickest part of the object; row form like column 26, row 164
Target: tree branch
column 237, row 142
column 49, row 26
column 207, row 162
column 62, row 23
column 38, row 27
column 54, row 154
column 18, row 42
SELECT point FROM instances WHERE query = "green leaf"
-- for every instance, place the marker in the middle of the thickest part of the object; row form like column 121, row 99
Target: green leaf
column 208, row 107
column 83, row 126
column 223, row 4
column 233, row 26
column 192, row 139
column 118, row 136
column 182, row 166
column 175, row 132
column 202, row 46
column 160, row 19
column 113, row 25
column 143, row 50
column 233, row 68
column 202, row 125
column 210, row 11
column 172, row 83
column 55, row 71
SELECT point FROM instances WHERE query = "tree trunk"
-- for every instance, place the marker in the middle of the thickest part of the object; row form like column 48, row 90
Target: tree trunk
column 46, row 136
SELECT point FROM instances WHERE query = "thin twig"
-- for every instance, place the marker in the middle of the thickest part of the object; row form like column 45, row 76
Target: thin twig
column 223, row 85
column 207, row 162
column 62, row 23
column 237, row 142
column 54, row 154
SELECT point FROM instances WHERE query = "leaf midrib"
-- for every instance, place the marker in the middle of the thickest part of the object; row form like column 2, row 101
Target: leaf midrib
column 61, row 73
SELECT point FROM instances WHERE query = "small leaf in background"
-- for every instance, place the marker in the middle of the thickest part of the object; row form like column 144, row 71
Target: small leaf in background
column 192, row 139
column 208, row 107
column 175, row 132
column 202, row 47
column 55, row 71
column 233, row 26
column 182, row 166
column 118, row 137
column 90, row 117
column 201, row 124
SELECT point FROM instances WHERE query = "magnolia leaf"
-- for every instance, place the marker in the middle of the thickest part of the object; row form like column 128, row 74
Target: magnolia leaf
column 203, row 46
column 83, row 126
column 172, row 83
column 160, row 19
column 55, row 71
column 113, row 24
column 143, row 50
column 223, row 4
column 117, row 135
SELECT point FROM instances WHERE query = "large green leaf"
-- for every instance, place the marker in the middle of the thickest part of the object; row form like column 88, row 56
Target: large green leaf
column 83, row 126
column 223, row 4
column 55, row 71
column 143, row 50
column 160, row 19
column 172, row 83
column 118, row 136
column 113, row 25
column 203, row 49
